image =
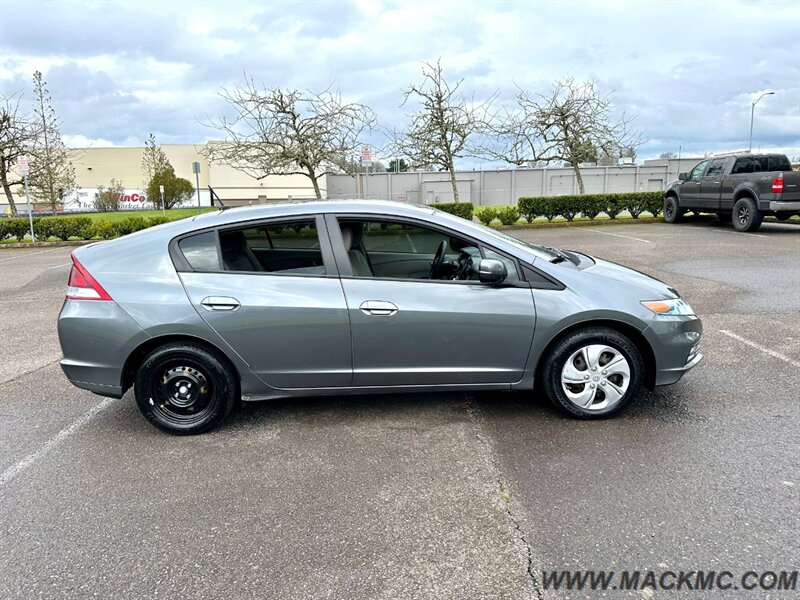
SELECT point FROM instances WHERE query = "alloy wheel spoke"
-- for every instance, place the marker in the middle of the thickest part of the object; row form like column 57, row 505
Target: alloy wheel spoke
column 584, row 398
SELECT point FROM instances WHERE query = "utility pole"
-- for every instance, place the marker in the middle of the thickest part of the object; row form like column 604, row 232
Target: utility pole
column 752, row 111
column 24, row 169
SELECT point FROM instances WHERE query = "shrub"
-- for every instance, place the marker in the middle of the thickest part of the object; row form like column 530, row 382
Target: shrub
column 130, row 225
column 464, row 210
column 159, row 220
column 16, row 228
column 62, row 228
column 613, row 206
column 102, row 229
column 487, row 214
column 532, row 208
column 108, row 199
column 591, row 205
column 508, row 215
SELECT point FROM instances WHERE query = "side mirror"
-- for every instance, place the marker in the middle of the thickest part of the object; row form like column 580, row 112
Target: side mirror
column 683, row 177
column 491, row 270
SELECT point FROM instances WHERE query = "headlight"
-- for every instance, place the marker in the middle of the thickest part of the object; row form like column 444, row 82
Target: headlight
column 669, row 307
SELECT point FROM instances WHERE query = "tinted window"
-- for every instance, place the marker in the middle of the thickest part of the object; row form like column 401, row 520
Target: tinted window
column 779, row 163
column 697, row 172
column 290, row 248
column 761, row 164
column 200, row 251
column 743, row 165
column 716, row 167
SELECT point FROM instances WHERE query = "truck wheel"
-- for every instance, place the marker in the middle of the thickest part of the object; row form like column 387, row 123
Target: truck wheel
column 746, row 216
column 725, row 217
column 672, row 212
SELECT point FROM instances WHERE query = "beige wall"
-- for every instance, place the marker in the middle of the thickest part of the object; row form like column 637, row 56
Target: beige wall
column 98, row 166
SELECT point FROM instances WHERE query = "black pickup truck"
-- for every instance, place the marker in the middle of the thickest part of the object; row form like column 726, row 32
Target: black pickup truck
column 738, row 187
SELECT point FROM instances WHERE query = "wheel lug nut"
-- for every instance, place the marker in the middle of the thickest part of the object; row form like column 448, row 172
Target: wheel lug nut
column 602, row 383
column 605, row 372
column 594, row 368
column 591, row 385
column 586, row 377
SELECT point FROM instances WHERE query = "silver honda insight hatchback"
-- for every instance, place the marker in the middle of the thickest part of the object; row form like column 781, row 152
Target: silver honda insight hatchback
column 335, row 297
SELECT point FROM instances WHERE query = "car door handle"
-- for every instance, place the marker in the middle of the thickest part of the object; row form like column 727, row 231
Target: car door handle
column 220, row 303
column 378, row 308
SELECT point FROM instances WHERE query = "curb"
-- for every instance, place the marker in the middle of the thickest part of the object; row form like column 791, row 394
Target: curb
column 49, row 244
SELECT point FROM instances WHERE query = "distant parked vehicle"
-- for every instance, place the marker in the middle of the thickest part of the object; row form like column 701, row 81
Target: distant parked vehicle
column 742, row 188
column 360, row 296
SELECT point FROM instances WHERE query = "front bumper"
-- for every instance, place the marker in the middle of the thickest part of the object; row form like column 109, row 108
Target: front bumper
column 676, row 346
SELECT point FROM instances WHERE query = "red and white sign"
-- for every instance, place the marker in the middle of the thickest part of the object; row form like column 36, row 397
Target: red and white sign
column 24, row 169
column 366, row 156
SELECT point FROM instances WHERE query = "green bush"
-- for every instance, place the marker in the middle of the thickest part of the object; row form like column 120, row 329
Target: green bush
column 508, row 215
column 102, row 229
column 464, row 210
column 16, row 228
column 591, row 205
column 487, row 214
column 130, row 225
column 62, row 228
column 159, row 220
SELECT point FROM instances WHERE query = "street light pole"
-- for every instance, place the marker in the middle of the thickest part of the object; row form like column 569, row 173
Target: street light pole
column 752, row 112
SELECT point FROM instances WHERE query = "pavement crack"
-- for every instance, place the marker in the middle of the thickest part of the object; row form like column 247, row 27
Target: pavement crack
column 21, row 375
column 505, row 499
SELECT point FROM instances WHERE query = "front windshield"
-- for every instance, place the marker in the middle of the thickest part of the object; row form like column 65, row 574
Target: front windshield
column 538, row 250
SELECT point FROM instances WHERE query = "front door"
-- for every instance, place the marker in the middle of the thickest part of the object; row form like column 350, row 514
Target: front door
column 409, row 329
column 690, row 189
column 711, row 184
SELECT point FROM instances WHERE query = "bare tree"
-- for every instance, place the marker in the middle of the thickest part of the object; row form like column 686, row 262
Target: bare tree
column 17, row 135
column 667, row 155
column 288, row 132
column 107, row 199
column 52, row 176
column 573, row 123
column 442, row 130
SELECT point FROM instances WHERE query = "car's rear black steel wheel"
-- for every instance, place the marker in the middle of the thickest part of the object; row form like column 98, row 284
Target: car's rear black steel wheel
column 185, row 389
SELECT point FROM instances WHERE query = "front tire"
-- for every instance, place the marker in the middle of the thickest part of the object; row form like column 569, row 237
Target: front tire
column 672, row 211
column 746, row 216
column 593, row 373
column 185, row 389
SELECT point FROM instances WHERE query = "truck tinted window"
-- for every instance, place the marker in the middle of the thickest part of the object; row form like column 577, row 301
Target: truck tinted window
column 743, row 165
column 716, row 167
column 779, row 163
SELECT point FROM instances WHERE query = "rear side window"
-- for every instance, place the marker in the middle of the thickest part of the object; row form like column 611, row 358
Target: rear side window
column 289, row 248
column 743, row 165
column 200, row 251
column 779, row 163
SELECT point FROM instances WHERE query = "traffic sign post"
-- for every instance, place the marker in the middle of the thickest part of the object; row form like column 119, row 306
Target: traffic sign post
column 24, row 169
column 366, row 161
column 163, row 205
column 196, row 170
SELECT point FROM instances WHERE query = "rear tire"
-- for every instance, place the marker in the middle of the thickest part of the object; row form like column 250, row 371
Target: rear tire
column 746, row 216
column 185, row 389
column 672, row 210
column 593, row 373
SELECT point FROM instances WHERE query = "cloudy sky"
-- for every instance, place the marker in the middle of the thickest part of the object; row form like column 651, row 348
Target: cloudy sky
column 689, row 71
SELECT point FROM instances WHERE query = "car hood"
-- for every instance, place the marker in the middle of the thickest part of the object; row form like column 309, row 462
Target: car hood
column 649, row 287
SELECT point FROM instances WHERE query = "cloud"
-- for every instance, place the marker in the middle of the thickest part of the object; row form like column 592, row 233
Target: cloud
column 119, row 70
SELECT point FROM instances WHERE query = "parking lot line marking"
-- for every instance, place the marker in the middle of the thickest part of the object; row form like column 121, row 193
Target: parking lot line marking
column 59, row 266
column 738, row 232
column 763, row 349
column 32, row 254
column 10, row 473
column 628, row 237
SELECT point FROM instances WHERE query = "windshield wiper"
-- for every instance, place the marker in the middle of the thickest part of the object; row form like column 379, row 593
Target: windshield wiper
column 559, row 255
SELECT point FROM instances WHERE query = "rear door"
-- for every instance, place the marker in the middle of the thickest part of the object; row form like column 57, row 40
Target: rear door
column 271, row 291
column 711, row 184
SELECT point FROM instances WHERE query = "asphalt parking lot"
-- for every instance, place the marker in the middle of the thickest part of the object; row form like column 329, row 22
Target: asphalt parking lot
column 451, row 496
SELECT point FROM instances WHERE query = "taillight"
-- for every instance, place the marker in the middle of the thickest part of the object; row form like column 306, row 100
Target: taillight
column 777, row 184
column 82, row 286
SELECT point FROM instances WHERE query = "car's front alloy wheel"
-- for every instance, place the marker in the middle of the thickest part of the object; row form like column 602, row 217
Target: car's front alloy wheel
column 594, row 372
column 184, row 389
